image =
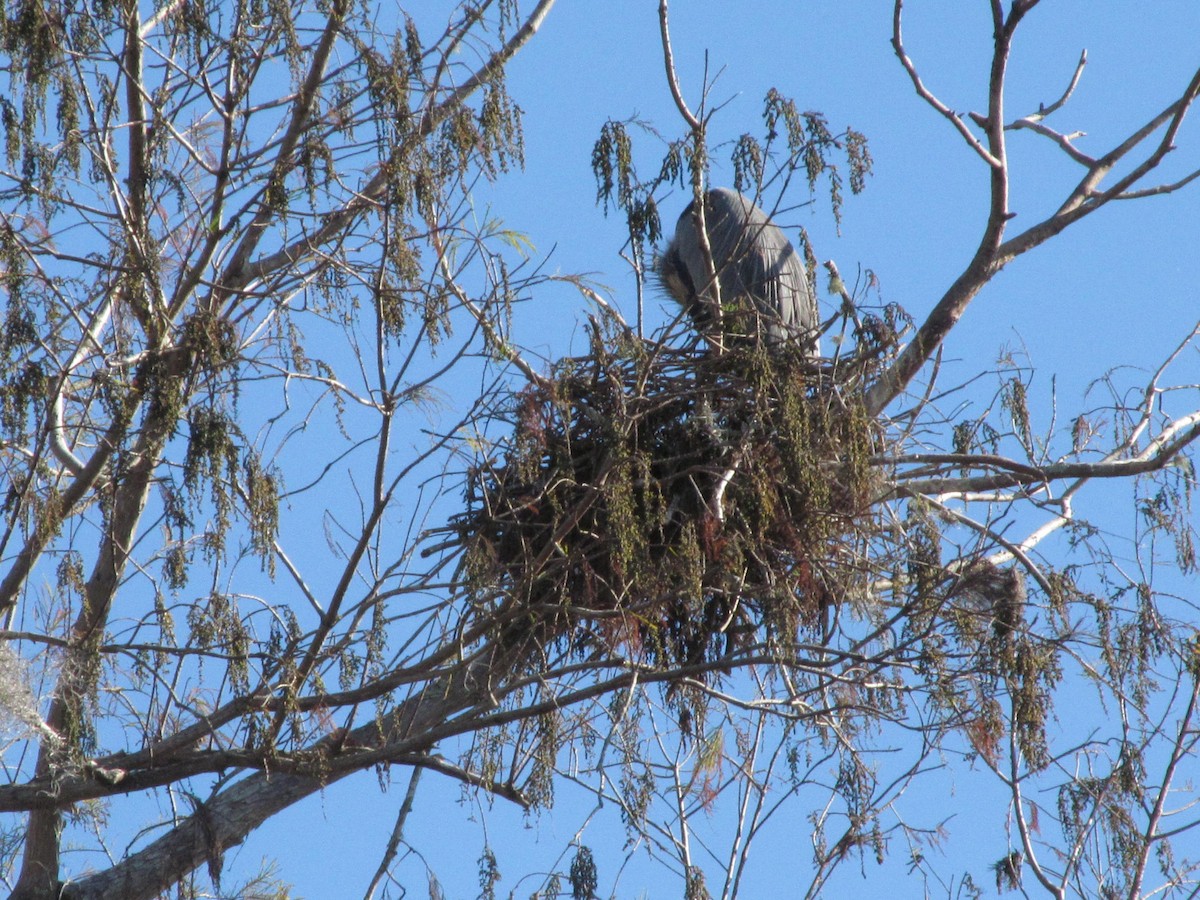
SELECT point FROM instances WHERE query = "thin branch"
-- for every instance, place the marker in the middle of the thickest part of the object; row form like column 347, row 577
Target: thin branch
column 236, row 274
column 1063, row 140
column 1181, row 748
column 1158, row 190
column 928, row 96
column 1044, row 111
column 1159, row 456
column 991, row 255
column 337, row 221
column 693, row 122
column 393, row 844
column 983, row 265
column 1012, row 551
column 1035, row 121
column 697, row 125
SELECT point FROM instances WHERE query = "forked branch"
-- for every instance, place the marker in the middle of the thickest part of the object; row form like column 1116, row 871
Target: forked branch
column 1086, row 197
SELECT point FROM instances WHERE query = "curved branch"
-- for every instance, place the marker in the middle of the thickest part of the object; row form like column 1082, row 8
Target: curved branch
column 928, row 96
column 669, row 63
column 1044, row 111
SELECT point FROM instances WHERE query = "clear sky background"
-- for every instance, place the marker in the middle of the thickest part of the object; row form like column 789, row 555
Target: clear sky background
column 1116, row 290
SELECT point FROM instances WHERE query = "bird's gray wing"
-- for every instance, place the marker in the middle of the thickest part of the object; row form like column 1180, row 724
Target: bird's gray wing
column 763, row 266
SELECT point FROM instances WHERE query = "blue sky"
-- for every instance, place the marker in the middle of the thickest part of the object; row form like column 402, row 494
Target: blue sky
column 922, row 213
column 1116, row 290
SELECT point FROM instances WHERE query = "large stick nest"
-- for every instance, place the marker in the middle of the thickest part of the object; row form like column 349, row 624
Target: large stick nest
column 677, row 502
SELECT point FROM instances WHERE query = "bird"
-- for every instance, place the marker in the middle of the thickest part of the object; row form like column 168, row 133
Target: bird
column 764, row 290
column 1000, row 593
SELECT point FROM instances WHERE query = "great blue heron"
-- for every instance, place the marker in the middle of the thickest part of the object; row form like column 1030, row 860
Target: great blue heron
column 764, row 289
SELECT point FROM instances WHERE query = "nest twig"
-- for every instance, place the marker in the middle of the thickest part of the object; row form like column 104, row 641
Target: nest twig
column 675, row 502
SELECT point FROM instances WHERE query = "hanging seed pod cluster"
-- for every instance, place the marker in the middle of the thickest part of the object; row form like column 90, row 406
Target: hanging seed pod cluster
column 676, row 503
